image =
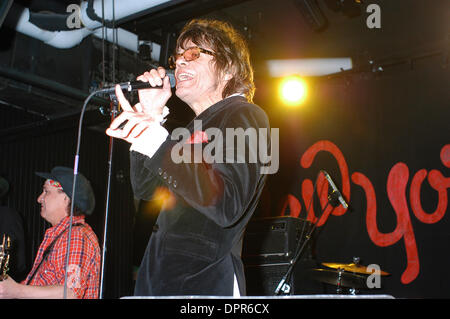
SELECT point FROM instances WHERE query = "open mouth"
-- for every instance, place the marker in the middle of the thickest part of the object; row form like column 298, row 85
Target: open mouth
column 184, row 76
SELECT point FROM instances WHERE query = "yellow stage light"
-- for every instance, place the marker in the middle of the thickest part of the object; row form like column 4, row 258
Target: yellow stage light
column 293, row 90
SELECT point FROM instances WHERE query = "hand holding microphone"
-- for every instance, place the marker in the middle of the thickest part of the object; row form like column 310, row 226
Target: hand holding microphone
column 133, row 121
column 152, row 100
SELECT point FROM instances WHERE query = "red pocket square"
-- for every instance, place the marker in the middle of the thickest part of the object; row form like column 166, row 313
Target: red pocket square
column 198, row 137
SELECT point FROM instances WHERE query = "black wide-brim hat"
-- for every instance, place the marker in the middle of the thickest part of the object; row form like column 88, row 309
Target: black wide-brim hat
column 84, row 194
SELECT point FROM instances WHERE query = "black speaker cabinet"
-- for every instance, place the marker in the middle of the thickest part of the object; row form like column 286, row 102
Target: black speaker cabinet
column 268, row 250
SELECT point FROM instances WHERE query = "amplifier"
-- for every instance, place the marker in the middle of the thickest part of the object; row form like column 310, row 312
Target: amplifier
column 274, row 240
column 268, row 249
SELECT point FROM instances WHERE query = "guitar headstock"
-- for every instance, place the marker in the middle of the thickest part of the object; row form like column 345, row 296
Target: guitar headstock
column 5, row 248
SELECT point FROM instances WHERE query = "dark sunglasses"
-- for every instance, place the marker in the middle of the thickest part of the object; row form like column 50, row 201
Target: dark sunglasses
column 190, row 54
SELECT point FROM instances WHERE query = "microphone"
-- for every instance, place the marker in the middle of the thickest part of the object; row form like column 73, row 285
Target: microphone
column 335, row 189
column 138, row 85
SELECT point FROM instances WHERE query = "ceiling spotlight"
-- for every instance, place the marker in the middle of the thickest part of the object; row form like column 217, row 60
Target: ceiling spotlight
column 293, row 90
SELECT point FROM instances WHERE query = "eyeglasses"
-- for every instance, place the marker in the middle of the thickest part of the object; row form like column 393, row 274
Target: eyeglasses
column 190, row 54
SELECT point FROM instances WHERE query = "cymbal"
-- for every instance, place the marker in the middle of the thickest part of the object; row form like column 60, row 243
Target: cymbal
column 353, row 268
column 336, row 278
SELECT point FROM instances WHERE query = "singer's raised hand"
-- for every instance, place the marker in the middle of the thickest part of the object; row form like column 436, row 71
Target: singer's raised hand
column 133, row 119
column 153, row 101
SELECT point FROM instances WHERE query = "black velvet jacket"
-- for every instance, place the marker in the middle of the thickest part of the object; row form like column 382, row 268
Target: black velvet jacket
column 195, row 247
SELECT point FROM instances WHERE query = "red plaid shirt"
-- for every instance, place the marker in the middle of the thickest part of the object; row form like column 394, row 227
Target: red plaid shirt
column 83, row 271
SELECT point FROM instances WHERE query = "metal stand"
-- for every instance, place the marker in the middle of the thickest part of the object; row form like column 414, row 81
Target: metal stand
column 114, row 111
column 283, row 286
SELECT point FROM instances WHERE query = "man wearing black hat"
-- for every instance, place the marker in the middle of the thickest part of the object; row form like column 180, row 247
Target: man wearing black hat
column 48, row 274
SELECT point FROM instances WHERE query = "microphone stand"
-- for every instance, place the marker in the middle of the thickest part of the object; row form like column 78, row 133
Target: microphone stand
column 75, row 174
column 114, row 111
column 283, row 286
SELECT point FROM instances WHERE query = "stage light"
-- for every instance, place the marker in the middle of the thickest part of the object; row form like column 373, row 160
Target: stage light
column 293, row 90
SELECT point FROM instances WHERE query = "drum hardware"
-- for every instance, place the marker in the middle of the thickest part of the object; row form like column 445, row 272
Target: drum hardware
column 340, row 279
column 350, row 276
column 354, row 267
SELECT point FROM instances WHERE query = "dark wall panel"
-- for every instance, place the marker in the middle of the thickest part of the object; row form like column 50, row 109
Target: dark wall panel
column 19, row 160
